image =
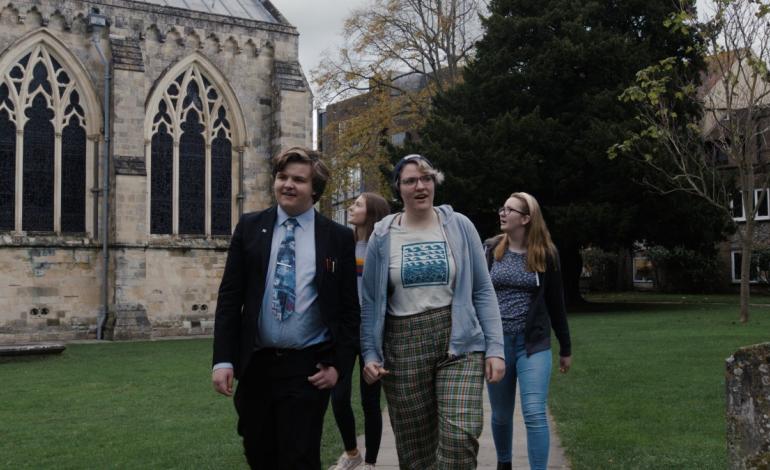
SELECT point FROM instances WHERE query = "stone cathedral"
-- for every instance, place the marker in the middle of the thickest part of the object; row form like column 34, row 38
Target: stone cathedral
column 199, row 95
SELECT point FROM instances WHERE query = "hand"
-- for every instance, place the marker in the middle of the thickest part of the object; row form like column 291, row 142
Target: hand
column 565, row 362
column 222, row 379
column 373, row 371
column 326, row 377
column 494, row 369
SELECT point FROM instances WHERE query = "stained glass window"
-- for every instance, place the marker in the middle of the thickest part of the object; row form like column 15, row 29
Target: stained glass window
column 73, row 178
column 38, row 166
column 204, row 133
column 7, row 162
column 162, row 155
column 50, row 101
column 221, row 190
column 192, row 177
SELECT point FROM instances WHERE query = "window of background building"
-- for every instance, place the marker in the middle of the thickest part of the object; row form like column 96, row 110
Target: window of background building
column 399, row 139
column 643, row 270
column 346, row 193
column 756, row 274
column 762, row 205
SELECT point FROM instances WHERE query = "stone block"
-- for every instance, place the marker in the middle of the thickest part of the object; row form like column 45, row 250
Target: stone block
column 748, row 408
column 130, row 322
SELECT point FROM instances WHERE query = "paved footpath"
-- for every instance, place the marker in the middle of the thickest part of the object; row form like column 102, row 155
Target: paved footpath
column 487, row 458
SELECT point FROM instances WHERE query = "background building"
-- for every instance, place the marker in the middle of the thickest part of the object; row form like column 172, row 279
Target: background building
column 353, row 133
column 201, row 98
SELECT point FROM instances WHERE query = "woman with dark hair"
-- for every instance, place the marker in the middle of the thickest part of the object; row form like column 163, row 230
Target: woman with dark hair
column 524, row 266
column 430, row 325
column 367, row 209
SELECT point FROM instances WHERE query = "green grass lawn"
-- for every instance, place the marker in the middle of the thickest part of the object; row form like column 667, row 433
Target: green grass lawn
column 647, row 388
column 646, row 391
column 124, row 405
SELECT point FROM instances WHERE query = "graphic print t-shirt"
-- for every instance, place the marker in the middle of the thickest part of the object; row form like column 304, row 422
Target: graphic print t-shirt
column 421, row 270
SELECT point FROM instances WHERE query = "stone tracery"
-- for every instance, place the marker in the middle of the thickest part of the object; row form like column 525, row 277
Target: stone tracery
column 42, row 129
column 191, row 138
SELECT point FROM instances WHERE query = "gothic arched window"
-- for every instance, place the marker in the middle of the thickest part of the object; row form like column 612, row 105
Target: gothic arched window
column 191, row 159
column 7, row 160
column 42, row 147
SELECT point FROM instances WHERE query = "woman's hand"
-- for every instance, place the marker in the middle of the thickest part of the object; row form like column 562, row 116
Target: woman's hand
column 373, row 371
column 565, row 362
column 494, row 369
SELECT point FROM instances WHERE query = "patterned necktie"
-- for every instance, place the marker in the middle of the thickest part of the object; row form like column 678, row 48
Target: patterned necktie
column 285, row 278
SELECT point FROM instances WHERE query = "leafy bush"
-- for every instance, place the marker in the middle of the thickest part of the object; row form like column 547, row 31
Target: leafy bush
column 599, row 269
column 680, row 269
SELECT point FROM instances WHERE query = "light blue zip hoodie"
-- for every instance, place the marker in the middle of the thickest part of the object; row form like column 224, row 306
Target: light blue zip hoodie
column 476, row 324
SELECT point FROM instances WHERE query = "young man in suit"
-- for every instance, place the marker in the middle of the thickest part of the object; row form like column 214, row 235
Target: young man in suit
column 287, row 317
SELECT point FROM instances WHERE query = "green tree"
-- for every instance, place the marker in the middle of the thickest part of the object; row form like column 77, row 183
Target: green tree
column 536, row 112
column 715, row 153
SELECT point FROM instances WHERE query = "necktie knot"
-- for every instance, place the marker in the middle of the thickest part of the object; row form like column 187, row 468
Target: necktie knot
column 290, row 224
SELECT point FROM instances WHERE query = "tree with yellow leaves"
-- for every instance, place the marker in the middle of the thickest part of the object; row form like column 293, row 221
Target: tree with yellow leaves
column 397, row 55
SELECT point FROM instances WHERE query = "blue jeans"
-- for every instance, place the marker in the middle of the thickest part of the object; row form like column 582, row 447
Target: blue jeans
column 533, row 374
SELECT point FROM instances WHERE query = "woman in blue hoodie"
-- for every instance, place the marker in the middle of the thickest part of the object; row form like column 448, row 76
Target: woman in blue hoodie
column 430, row 323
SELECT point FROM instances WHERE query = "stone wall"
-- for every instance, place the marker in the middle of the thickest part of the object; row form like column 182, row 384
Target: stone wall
column 176, row 287
column 748, row 407
column 158, row 285
column 48, row 290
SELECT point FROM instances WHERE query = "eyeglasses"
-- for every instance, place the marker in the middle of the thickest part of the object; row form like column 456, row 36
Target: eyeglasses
column 412, row 181
column 506, row 211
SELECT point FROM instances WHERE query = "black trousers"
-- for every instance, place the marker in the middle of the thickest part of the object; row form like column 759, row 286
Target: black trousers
column 280, row 413
column 370, row 403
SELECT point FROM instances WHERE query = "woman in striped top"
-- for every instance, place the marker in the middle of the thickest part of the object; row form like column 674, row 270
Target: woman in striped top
column 368, row 209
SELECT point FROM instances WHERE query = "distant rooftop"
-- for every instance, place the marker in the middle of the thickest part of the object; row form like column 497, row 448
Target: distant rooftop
column 245, row 9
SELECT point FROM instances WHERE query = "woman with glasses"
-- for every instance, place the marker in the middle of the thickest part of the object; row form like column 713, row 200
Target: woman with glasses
column 430, row 325
column 365, row 211
column 524, row 266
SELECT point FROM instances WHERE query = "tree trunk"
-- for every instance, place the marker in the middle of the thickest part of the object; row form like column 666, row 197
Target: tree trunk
column 571, row 267
column 746, row 250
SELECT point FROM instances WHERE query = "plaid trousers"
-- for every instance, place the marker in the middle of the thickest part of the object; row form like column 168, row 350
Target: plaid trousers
column 434, row 400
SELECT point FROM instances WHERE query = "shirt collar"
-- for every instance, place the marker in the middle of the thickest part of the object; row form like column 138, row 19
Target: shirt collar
column 303, row 220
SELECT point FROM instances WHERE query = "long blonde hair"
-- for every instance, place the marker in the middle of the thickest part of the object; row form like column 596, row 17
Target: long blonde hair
column 539, row 245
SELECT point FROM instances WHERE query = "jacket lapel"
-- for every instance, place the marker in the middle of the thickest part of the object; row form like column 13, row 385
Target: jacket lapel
column 264, row 240
column 321, row 245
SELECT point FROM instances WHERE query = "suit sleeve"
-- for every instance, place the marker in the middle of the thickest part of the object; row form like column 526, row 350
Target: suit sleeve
column 227, row 319
column 349, row 309
column 554, row 297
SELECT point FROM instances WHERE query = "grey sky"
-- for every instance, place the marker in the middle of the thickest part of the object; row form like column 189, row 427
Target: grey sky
column 319, row 23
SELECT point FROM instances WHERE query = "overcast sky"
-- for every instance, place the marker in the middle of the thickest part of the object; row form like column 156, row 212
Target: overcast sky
column 319, row 23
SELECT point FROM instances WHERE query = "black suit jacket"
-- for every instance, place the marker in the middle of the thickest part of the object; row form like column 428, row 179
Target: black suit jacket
column 243, row 286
